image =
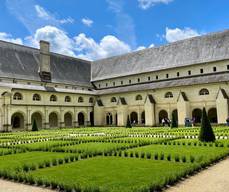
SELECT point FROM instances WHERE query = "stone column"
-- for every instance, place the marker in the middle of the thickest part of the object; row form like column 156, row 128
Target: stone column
column 75, row 118
column 122, row 113
column 61, row 122
column 28, row 122
column 99, row 115
column 46, row 122
column 183, row 108
column 222, row 107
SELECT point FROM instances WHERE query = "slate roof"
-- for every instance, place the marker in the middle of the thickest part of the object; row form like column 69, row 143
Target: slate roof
column 47, row 89
column 21, row 62
column 202, row 49
column 211, row 78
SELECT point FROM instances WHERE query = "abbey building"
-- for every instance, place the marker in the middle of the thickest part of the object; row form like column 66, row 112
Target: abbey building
column 148, row 85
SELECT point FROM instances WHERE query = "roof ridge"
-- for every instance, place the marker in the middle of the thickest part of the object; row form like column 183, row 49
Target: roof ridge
column 165, row 45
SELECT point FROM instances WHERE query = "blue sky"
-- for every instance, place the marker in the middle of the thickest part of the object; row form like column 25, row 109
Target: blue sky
column 94, row 29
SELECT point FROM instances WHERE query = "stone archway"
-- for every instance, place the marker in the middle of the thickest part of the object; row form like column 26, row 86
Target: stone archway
column 17, row 121
column 134, row 118
column 197, row 115
column 81, row 119
column 212, row 115
column 36, row 116
column 53, row 120
column 162, row 114
column 68, row 119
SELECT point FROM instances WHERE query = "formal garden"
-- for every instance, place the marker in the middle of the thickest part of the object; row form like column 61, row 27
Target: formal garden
column 138, row 159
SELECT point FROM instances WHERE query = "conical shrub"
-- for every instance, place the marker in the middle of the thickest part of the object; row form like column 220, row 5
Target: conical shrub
column 34, row 126
column 206, row 131
column 174, row 121
column 128, row 123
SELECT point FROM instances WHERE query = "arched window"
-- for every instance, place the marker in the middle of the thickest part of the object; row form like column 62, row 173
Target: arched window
column 113, row 100
column 17, row 96
column 91, row 100
column 36, row 97
column 204, row 92
column 53, row 98
column 67, row 99
column 169, row 95
column 80, row 100
column 138, row 97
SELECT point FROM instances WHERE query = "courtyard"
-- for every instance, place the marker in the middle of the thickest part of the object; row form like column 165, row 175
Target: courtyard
column 108, row 159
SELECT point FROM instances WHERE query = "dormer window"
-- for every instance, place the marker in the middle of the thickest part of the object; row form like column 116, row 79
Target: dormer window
column 17, row 96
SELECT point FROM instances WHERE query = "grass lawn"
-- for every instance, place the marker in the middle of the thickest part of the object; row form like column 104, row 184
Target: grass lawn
column 115, row 174
column 173, row 150
column 10, row 162
column 95, row 147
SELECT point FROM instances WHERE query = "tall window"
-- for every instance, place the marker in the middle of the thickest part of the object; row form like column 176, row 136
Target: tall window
column 67, row 99
column 113, row 100
column 36, row 97
column 169, row 95
column 138, row 97
column 204, row 92
column 53, row 98
column 17, row 96
column 80, row 100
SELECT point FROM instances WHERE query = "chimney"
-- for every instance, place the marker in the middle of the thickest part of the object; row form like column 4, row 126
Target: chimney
column 44, row 68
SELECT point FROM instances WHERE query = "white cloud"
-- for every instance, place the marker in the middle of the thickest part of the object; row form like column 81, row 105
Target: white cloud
column 41, row 12
column 152, row 45
column 88, row 22
column 67, row 20
column 140, row 48
column 108, row 46
column 146, row 4
column 143, row 47
column 79, row 46
column 8, row 37
column 59, row 40
column 177, row 34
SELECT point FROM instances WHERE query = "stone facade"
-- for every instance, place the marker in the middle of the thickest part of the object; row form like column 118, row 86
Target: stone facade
column 57, row 96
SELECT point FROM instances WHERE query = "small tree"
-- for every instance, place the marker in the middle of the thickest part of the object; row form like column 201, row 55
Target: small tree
column 34, row 126
column 206, row 131
column 174, row 121
column 128, row 123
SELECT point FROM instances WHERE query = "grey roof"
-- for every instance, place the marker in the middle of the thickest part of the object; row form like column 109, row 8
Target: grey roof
column 100, row 103
column 151, row 99
column 202, row 49
column 47, row 89
column 21, row 62
column 211, row 78
column 123, row 101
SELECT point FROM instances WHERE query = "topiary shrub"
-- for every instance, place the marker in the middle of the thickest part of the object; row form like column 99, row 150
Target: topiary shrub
column 128, row 123
column 206, row 132
column 174, row 121
column 34, row 126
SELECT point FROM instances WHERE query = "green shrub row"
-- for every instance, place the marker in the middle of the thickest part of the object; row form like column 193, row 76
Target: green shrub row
column 196, row 143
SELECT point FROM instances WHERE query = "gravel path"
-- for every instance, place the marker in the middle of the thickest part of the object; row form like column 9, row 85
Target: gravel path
column 8, row 186
column 213, row 179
